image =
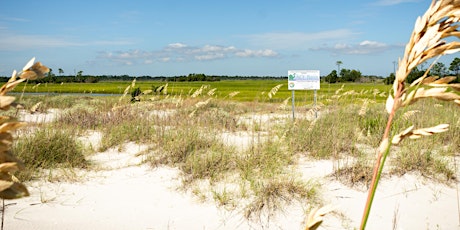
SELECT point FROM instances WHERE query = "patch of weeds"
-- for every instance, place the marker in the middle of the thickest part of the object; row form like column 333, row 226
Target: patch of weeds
column 224, row 198
column 126, row 123
column 82, row 118
column 209, row 163
column 276, row 193
column 427, row 161
column 372, row 124
column 136, row 130
column 178, row 144
column 264, row 160
column 358, row 173
column 331, row 135
column 48, row 148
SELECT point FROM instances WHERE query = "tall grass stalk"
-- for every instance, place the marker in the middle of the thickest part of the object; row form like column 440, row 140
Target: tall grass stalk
column 426, row 42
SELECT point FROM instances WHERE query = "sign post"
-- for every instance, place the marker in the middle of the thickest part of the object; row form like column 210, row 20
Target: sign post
column 303, row 80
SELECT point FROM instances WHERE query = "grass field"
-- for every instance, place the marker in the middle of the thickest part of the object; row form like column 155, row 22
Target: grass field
column 244, row 90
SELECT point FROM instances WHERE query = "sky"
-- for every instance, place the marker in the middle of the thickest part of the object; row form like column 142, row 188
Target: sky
column 214, row 37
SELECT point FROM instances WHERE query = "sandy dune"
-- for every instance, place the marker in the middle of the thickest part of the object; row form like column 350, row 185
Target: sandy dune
column 124, row 193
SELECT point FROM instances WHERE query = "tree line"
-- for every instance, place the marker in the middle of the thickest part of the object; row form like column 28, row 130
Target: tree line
column 336, row 76
column 81, row 78
column 439, row 69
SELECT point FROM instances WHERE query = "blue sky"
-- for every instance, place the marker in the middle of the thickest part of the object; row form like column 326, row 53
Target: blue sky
column 178, row 37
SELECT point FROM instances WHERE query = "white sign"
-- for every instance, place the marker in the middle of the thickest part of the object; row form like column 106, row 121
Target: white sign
column 303, row 79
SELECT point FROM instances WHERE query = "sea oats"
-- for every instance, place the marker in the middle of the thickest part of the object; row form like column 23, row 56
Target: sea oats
column 274, row 90
column 364, row 107
column 10, row 187
column 232, row 94
column 315, row 218
column 409, row 114
column 427, row 41
column 212, row 92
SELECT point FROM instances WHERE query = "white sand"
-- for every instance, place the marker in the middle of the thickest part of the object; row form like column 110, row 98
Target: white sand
column 126, row 194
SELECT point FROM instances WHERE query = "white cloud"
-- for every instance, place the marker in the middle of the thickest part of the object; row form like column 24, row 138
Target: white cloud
column 393, row 2
column 256, row 53
column 179, row 52
column 364, row 47
column 15, row 42
column 177, row 45
column 210, row 56
column 297, row 40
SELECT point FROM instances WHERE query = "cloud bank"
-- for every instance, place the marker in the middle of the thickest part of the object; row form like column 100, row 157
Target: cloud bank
column 15, row 42
column 393, row 2
column 179, row 52
column 296, row 40
column 362, row 48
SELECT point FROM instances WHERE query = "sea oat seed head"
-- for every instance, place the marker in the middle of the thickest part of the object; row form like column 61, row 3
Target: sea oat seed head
column 429, row 131
column 36, row 71
column 9, row 167
column 315, row 218
column 383, row 145
column 389, row 104
column 398, row 138
column 5, row 102
column 29, row 64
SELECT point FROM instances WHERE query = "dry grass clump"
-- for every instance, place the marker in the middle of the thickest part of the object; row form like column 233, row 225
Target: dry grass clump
column 49, row 148
column 198, row 156
column 431, row 163
column 120, row 127
column 215, row 113
column 277, row 193
column 81, row 118
column 334, row 134
column 129, row 122
column 357, row 173
column 265, row 160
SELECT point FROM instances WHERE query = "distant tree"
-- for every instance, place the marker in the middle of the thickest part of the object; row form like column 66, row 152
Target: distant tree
column 91, row 79
column 343, row 75
column 390, row 79
column 332, row 77
column 439, row 69
column 50, row 73
column 338, row 63
column 347, row 75
column 415, row 74
column 78, row 77
column 455, row 66
column 61, row 71
column 355, row 75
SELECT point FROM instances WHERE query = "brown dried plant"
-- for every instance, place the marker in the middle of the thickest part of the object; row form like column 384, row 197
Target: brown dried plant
column 315, row 218
column 428, row 41
column 10, row 187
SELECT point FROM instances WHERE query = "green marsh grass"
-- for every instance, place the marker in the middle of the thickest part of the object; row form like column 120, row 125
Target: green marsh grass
column 249, row 90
